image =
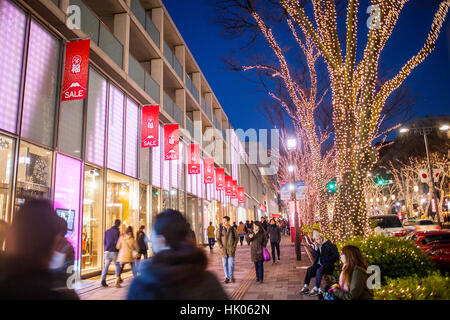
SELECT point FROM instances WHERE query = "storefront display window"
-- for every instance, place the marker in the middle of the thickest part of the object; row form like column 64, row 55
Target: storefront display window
column 34, row 173
column 156, row 206
column 181, row 201
column 165, row 200
column 6, row 167
column 67, row 199
column 40, row 86
column 122, row 201
column 91, row 236
column 174, row 199
column 145, row 218
column 12, row 23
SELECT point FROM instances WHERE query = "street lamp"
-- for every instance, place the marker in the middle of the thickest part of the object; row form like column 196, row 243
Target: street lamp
column 425, row 131
column 292, row 144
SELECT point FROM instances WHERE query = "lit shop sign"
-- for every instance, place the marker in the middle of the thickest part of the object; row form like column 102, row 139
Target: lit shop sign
column 150, row 126
column 76, row 70
column 208, row 172
column 241, row 194
column 193, row 159
column 228, row 186
column 220, row 179
column 171, row 140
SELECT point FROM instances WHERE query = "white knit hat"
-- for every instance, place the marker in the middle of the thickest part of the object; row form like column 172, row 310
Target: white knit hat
column 316, row 234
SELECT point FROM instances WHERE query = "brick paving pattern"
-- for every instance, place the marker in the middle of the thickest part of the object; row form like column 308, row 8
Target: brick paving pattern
column 282, row 281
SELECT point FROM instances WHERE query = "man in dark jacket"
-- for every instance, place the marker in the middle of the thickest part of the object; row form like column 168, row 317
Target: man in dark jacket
column 111, row 237
column 274, row 233
column 325, row 254
column 141, row 240
column 264, row 223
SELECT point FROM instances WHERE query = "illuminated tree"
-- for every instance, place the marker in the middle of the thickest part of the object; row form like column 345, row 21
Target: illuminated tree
column 358, row 93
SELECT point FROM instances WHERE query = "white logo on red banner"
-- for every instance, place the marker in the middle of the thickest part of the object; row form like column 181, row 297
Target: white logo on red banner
column 171, row 139
column 76, row 70
column 150, row 127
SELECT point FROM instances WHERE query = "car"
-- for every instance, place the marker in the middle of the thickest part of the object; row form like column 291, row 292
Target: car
column 389, row 225
column 412, row 225
column 436, row 244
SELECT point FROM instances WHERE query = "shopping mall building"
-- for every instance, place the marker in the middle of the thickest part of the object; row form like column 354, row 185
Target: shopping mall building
column 85, row 155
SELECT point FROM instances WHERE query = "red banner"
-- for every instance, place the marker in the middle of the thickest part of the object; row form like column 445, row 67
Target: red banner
column 291, row 210
column 234, row 189
column 208, row 170
column 220, row 179
column 228, row 186
column 262, row 207
column 171, row 140
column 76, row 70
column 241, row 194
column 150, row 126
column 193, row 159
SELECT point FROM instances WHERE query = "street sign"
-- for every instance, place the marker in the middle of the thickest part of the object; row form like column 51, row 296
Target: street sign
column 285, row 193
column 300, row 190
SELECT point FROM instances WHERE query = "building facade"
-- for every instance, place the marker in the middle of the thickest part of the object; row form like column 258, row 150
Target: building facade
column 85, row 155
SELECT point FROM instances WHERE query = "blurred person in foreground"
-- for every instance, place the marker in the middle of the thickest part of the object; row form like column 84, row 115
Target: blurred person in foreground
column 177, row 271
column 3, row 231
column 63, row 257
column 30, row 244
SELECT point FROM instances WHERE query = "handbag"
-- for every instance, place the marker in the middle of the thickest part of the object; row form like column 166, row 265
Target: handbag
column 134, row 252
column 266, row 255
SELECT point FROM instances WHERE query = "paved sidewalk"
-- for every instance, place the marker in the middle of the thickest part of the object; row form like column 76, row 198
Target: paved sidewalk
column 282, row 281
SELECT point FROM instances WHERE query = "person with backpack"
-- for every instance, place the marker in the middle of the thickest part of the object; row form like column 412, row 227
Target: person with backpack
column 227, row 240
column 128, row 252
column 274, row 233
column 258, row 240
column 241, row 232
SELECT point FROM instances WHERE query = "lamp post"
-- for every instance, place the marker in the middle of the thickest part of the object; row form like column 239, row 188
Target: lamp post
column 291, row 144
column 425, row 131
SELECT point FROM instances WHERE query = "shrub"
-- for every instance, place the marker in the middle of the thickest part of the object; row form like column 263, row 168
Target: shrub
column 431, row 287
column 396, row 257
column 307, row 229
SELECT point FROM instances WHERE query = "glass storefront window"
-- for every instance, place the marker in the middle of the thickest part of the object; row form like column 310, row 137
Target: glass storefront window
column 156, row 196
column 34, row 173
column 6, row 168
column 174, row 199
column 40, row 86
column 12, row 23
column 165, row 199
column 181, row 201
column 145, row 218
column 91, row 236
column 122, row 201
column 71, row 127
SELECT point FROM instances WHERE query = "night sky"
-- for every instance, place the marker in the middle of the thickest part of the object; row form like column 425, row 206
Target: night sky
column 429, row 82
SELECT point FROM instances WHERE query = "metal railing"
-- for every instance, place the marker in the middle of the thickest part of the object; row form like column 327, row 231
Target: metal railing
column 145, row 21
column 191, row 86
column 206, row 108
column 172, row 109
column 99, row 33
column 173, row 61
column 143, row 78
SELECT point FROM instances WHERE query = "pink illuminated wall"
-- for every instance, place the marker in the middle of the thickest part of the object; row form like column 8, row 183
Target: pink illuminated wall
column 12, row 24
column 67, row 194
column 115, row 130
column 132, row 139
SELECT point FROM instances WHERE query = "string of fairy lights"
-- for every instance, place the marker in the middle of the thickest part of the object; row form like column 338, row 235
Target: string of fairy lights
column 357, row 100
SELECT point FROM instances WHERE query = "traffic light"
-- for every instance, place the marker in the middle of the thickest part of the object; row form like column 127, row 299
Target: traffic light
column 380, row 181
column 332, row 186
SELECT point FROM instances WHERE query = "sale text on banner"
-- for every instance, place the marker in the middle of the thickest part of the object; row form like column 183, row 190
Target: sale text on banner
column 241, row 194
column 150, row 126
column 171, row 140
column 234, row 190
column 208, row 170
column 76, row 70
column 193, row 159
column 228, row 186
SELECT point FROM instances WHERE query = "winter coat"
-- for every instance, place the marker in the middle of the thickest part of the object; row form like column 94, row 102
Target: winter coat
column 264, row 224
column 211, row 233
column 329, row 254
column 141, row 242
column 227, row 239
column 20, row 280
column 358, row 287
column 126, row 245
column 176, row 274
column 241, row 229
column 274, row 233
column 111, row 237
column 257, row 243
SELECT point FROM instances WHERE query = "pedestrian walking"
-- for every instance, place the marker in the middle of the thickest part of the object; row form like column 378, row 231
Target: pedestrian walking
column 234, row 225
column 283, row 227
column 241, row 232
column 264, row 223
column 258, row 240
column 63, row 257
column 110, row 255
column 29, row 246
column 325, row 254
column 211, row 236
column 141, row 240
column 227, row 240
column 128, row 252
column 274, row 233
column 178, row 270
column 353, row 278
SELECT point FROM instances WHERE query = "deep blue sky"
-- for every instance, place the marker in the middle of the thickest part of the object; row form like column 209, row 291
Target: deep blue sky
column 430, row 81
